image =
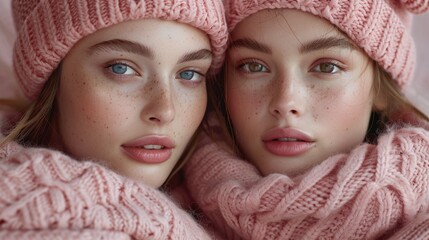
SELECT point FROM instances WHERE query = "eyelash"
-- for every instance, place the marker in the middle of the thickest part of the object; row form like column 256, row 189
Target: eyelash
column 337, row 65
column 109, row 67
column 244, row 65
column 197, row 74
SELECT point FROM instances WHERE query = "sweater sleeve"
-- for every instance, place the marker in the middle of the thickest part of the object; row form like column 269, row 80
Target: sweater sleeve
column 361, row 195
column 44, row 191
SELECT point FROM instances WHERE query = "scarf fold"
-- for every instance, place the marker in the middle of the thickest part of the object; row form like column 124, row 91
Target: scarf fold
column 46, row 194
column 366, row 194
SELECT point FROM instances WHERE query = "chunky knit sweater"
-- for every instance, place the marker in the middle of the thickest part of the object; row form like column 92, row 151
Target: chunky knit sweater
column 374, row 192
column 45, row 194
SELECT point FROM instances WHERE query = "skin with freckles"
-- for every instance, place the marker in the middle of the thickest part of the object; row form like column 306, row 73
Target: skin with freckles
column 134, row 85
column 297, row 98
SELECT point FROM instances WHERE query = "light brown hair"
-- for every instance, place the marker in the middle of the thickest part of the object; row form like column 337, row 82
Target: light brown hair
column 34, row 128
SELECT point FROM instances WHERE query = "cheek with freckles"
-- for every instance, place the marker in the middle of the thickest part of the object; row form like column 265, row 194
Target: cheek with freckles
column 90, row 113
column 246, row 104
column 342, row 114
column 190, row 108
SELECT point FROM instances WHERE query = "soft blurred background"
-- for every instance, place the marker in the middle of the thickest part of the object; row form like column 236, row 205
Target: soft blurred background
column 417, row 92
column 8, row 87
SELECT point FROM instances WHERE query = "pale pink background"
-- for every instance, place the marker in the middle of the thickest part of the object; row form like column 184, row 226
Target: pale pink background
column 417, row 92
column 8, row 87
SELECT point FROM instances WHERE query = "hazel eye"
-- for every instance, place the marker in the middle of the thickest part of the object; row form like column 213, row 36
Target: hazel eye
column 253, row 67
column 327, row 68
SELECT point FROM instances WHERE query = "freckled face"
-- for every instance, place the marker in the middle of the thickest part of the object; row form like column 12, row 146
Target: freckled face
column 299, row 97
column 132, row 95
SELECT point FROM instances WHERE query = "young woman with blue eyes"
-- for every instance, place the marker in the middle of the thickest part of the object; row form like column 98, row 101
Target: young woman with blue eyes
column 312, row 101
column 116, row 92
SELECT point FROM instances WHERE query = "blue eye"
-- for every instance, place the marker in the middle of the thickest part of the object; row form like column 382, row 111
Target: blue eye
column 190, row 75
column 122, row 69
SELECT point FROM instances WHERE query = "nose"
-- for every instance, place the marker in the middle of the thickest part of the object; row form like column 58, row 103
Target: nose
column 159, row 105
column 288, row 97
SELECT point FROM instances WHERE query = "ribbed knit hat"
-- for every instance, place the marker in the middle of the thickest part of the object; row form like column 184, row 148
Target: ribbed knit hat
column 382, row 28
column 48, row 29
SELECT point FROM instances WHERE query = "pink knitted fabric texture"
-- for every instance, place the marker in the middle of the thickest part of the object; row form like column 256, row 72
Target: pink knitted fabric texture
column 47, row 195
column 381, row 29
column 48, row 29
column 416, row 229
column 366, row 194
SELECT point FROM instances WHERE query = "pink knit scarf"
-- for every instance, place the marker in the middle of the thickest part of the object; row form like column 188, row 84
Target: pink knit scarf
column 46, row 195
column 366, row 194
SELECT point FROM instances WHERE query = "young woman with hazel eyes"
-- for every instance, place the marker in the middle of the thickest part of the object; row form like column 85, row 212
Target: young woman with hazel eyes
column 322, row 142
column 117, row 91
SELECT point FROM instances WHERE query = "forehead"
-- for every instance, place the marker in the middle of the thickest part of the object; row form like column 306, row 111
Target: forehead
column 285, row 21
column 158, row 36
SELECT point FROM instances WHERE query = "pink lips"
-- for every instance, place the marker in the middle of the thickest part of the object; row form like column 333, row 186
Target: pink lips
column 287, row 142
column 150, row 149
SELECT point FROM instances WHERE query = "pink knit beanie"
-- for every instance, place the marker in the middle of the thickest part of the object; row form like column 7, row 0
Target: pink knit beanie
column 380, row 27
column 48, row 29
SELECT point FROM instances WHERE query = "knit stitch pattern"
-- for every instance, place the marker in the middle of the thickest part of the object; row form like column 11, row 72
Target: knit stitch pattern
column 418, row 228
column 44, row 194
column 48, row 29
column 381, row 28
column 366, row 194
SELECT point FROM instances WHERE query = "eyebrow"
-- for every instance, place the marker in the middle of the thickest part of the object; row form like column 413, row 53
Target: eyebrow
column 122, row 45
column 133, row 47
column 196, row 55
column 250, row 44
column 325, row 43
column 318, row 44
